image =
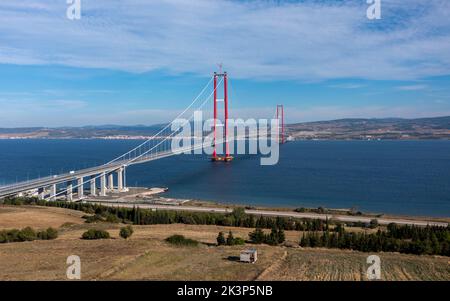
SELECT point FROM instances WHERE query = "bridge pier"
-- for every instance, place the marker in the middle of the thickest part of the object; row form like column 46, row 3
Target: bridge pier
column 93, row 186
column 103, row 184
column 121, row 187
column 80, row 188
column 69, row 193
column 53, row 192
column 111, row 181
column 41, row 193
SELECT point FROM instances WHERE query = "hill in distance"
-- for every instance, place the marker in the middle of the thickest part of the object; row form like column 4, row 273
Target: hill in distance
column 341, row 129
column 386, row 128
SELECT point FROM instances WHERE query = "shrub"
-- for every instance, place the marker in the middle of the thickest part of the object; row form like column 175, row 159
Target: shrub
column 13, row 235
column 221, row 239
column 48, row 234
column 231, row 240
column 95, row 234
column 180, row 240
column 27, row 234
column 3, row 237
column 126, row 232
column 239, row 241
column 111, row 218
column 9, row 236
column 93, row 218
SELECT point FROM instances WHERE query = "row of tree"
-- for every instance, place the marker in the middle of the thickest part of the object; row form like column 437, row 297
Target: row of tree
column 138, row 216
column 403, row 239
column 275, row 237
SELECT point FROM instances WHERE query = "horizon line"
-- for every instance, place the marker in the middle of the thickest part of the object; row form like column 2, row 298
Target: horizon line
column 159, row 124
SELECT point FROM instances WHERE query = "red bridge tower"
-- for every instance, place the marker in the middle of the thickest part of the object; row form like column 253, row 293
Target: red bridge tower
column 227, row 157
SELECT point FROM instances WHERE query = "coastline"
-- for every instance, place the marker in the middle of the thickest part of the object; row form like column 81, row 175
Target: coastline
column 336, row 211
column 155, row 196
column 330, row 214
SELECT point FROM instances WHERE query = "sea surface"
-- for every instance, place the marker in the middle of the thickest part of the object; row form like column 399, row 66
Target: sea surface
column 396, row 177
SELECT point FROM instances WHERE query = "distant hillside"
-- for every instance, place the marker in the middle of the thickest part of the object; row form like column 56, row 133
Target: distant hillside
column 355, row 129
column 104, row 131
column 388, row 128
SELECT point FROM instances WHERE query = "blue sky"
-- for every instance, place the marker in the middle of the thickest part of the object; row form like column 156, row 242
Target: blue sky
column 141, row 62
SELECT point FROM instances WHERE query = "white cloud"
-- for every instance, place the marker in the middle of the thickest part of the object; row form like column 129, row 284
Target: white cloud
column 309, row 40
column 348, row 86
column 412, row 87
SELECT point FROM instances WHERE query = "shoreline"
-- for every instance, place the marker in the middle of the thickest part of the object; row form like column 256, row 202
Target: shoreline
column 337, row 211
column 212, row 207
column 154, row 198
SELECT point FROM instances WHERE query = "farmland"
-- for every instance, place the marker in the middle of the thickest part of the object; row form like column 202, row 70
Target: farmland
column 146, row 256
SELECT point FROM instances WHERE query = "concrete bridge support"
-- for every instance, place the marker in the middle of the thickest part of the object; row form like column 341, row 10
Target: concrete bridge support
column 69, row 191
column 93, row 187
column 103, row 184
column 53, row 193
column 80, row 188
column 121, row 187
column 111, row 181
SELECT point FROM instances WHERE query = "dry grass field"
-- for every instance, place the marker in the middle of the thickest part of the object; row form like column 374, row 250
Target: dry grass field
column 37, row 217
column 146, row 256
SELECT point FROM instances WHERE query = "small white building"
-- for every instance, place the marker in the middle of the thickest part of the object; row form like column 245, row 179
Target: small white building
column 250, row 255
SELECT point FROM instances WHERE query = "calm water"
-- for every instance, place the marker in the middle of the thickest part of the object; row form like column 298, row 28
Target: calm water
column 402, row 177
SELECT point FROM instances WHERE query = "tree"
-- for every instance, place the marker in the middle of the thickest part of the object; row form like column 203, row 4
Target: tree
column 95, row 234
column 112, row 218
column 27, row 234
column 230, row 239
column 238, row 213
column 281, row 236
column 272, row 239
column 126, row 232
column 257, row 236
column 52, row 233
column 304, row 241
column 221, row 239
column 48, row 234
column 373, row 223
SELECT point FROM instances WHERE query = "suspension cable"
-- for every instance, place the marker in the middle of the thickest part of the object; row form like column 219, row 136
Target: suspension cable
column 166, row 127
column 134, row 159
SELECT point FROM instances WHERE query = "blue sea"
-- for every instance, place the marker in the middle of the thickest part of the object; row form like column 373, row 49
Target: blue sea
column 396, row 177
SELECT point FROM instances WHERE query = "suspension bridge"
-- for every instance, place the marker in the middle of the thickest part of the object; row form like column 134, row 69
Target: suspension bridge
column 157, row 147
